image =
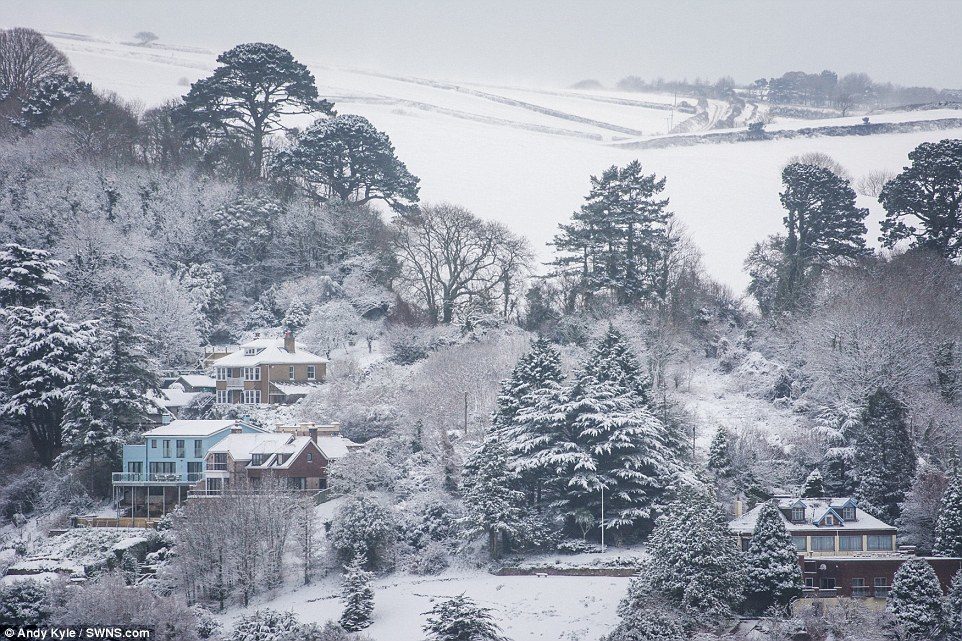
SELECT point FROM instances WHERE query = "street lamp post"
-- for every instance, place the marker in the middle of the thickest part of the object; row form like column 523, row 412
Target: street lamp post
column 602, row 518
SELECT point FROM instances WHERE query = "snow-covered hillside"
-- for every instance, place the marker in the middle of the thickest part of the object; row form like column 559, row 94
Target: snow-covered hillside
column 523, row 155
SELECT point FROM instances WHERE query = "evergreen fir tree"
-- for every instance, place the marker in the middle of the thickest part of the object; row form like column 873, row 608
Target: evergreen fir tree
column 492, row 503
column 691, row 559
column 297, row 315
column 953, row 609
column 26, row 276
column 774, row 577
column 107, row 403
column 358, row 597
column 258, row 316
column 948, row 527
column 915, row 599
column 885, row 460
column 719, row 453
column 461, row 619
column 814, row 486
column 611, row 360
column 38, row 363
column 539, row 366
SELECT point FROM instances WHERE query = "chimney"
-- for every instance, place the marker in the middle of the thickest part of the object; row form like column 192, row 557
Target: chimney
column 739, row 510
column 312, row 432
column 289, row 341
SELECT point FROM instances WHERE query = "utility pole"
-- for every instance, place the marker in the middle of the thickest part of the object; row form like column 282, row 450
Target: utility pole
column 602, row 518
column 465, row 413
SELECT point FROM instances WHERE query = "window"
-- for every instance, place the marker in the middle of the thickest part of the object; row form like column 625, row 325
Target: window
column 221, row 396
column 798, row 514
column 250, row 351
column 252, row 396
column 881, row 585
column 215, row 484
column 823, row 543
column 135, row 467
column 181, row 453
column 166, row 448
column 826, row 583
column 195, row 467
column 809, row 582
column 878, row 542
column 153, row 444
column 311, row 372
column 198, row 448
column 800, row 543
column 746, row 543
column 828, row 520
column 252, row 373
column 850, row 543
column 259, row 459
column 310, row 457
column 858, row 588
column 290, row 372
column 221, row 374
column 848, row 513
column 219, row 461
column 163, row 467
column 297, row 483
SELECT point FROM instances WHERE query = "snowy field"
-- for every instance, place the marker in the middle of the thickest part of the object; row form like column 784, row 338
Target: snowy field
column 528, row 608
column 523, row 155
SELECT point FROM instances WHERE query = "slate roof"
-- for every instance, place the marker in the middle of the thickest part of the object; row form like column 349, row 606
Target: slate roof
column 815, row 510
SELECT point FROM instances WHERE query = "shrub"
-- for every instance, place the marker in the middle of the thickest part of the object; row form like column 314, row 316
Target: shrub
column 265, row 625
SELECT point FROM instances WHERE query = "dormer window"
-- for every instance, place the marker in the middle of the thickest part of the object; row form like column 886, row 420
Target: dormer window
column 798, row 514
column 848, row 513
column 829, row 520
column 250, row 351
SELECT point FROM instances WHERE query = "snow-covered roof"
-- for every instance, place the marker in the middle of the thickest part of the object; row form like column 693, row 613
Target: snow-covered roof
column 290, row 389
column 198, row 380
column 173, row 397
column 335, row 447
column 242, row 446
column 268, row 351
column 190, row 428
column 815, row 511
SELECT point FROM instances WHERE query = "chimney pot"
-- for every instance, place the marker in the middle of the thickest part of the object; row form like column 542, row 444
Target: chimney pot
column 312, row 431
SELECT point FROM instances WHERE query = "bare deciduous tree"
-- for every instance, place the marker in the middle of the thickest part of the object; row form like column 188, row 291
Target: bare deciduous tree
column 26, row 58
column 871, row 183
column 449, row 257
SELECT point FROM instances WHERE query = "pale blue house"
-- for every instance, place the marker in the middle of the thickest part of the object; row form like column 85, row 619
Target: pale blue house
column 158, row 473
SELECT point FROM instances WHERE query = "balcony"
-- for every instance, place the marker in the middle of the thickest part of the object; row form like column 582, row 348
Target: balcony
column 882, row 591
column 860, row 592
column 235, row 382
column 138, row 478
column 217, row 467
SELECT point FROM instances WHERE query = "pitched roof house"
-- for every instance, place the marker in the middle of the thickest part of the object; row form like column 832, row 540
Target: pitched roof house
column 843, row 550
column 268, row 370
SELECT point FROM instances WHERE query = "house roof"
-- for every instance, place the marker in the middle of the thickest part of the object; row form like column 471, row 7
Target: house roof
column 173, row 397
column 815, row 511
column 242, row 446
column 268, row 351
column 198, row 380
column 335, row 447
column 288, row 389
column 191, row 428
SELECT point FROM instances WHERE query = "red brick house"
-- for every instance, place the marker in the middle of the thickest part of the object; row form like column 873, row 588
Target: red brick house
column 843, row 551
column 267, row 370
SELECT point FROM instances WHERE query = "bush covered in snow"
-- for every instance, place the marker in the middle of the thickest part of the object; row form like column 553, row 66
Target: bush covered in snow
column 264, row 625
column 363, row 527
column 24, row 602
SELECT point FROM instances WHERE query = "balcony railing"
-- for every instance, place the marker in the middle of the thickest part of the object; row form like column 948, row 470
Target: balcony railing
column 217, row 467
column 139, row 478
column 882, row 591
column 235, row 382
column 860, row 591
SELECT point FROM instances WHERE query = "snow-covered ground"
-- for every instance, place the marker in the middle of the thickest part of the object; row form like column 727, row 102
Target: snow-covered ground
column 527, row 608
column 523, row 155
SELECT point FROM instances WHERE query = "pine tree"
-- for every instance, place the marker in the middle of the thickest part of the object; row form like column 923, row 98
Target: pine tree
column 814, row 486
column 915, row 599
column 719, row 453
column 953, row 609
column 492, row 503
column 885, row 460
column 258, row 316
column 38, row 363
column 461, row 619
column 691, row 558
column 948, row 527
column 612, row 360
column 297, row 315
column 26, row 276
column 358, row 597
column 773, row 575
column 924, row 202
column 107, row 404
column 539, row 366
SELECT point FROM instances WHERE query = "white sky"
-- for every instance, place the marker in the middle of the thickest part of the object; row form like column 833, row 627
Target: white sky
column 550, row 43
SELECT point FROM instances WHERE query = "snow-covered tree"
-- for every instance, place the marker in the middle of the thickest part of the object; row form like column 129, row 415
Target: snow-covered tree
column 362, row 528
column 492, row 503
column 535, row 369
column 773, row 575
column 885, row 460
column 692, row 560
column 461, row 619
column 611, row 360
column 247, row 97
column 207, row 287
column 107, row 405
column 358, row 596
column 948, row 527
column 297, row 315
column 346, row 158
column 814, row 486
column 922, row 508
column 719, row 453
column 24, row 603
column 953, row 609
column 915, row 599
column 38, row 362
column 264, row 625
column 259, row 317
column 648, row 616
column 242, row 230
column 26, row 276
